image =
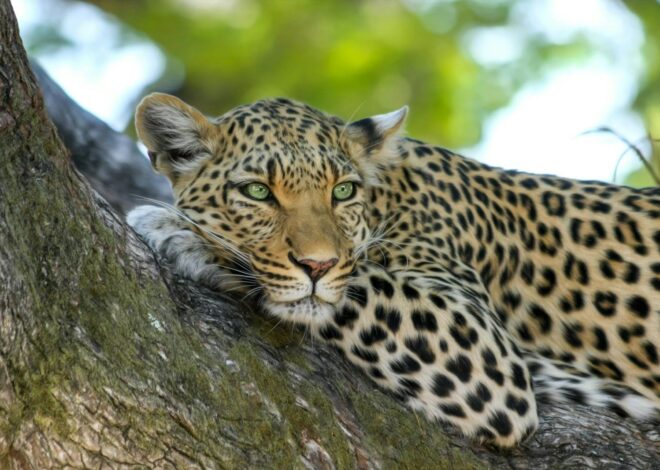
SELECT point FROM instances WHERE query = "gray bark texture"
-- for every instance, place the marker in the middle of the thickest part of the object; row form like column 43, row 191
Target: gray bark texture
column 107, row 360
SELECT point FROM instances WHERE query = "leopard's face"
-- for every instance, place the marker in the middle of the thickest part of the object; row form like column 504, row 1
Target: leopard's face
column 278, row 189
column 297, row 230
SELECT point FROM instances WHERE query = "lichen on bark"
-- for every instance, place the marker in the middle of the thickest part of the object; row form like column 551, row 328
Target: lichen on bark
column 107, row 359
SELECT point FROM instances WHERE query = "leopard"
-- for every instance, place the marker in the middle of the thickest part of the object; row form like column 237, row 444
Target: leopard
column 471, row 293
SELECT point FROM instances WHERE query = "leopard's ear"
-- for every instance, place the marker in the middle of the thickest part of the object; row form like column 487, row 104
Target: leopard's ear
column 177, row 136
column 374, row 141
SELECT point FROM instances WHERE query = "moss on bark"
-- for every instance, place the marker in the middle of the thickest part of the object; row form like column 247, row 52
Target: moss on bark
column 107, row 360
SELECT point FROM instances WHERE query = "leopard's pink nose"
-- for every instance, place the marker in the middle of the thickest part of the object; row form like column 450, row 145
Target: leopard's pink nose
column 314, row 269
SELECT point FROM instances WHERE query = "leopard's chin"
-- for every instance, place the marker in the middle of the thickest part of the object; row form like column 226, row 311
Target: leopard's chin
column 308, row 310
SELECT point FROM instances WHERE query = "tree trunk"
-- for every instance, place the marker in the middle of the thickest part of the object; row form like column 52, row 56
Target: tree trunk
column 107, row 360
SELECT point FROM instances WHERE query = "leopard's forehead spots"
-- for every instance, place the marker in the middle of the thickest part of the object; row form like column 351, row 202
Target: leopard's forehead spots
column 281, row 121
column 282, row 143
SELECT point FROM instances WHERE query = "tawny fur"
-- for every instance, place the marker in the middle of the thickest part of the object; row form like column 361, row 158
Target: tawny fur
column 455, row 285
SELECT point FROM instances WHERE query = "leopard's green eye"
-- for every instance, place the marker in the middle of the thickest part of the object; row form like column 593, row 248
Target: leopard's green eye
column 343, row 191
column 257, row 191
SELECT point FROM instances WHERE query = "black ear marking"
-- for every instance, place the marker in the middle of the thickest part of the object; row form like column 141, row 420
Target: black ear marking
column 368, row 134
column 371, row 133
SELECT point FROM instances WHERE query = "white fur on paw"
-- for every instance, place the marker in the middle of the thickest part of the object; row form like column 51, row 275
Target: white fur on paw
column 170, row 236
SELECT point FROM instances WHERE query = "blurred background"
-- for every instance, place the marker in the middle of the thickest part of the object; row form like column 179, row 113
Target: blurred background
column 514, row 83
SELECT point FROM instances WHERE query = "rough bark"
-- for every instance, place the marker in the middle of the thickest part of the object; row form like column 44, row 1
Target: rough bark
column 107, row 360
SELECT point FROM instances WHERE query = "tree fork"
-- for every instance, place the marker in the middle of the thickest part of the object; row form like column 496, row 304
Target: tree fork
column 107, row 359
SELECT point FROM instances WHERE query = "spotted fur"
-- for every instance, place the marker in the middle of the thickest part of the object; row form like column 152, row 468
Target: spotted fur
column 471, row 292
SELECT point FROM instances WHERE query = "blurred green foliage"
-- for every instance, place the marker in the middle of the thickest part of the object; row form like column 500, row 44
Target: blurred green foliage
column 361, row 57
column 648, row 98
column 347, row 57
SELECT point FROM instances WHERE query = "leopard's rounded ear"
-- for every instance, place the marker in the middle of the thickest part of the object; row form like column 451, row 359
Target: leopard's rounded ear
column 373, row 132
column 176, row 135
column 374, row 140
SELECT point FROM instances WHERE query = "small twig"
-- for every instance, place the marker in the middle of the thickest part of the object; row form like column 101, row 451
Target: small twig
column 623, row 154
column 647, row 164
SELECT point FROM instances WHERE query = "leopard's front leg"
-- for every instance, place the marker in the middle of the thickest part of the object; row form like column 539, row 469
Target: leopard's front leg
column 172, row 237
column 436, row 342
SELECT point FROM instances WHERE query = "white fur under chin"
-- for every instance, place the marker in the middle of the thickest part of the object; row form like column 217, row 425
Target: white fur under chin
column 306, row 311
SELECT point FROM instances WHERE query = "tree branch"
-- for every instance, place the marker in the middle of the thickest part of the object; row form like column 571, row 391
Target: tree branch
column 107, row 359
column 111, row 161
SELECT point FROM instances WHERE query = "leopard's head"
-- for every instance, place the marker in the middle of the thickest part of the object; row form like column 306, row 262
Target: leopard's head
column 278, row 189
